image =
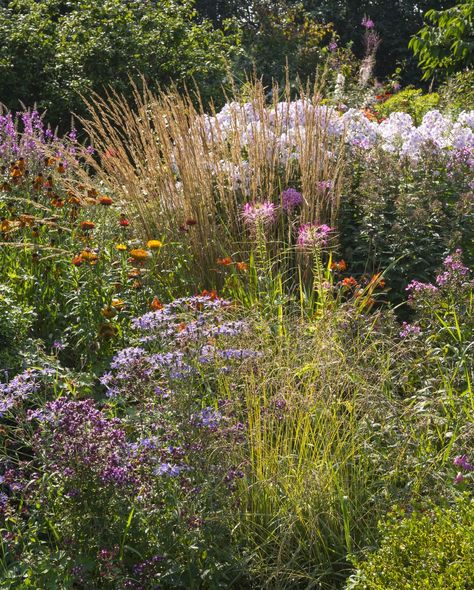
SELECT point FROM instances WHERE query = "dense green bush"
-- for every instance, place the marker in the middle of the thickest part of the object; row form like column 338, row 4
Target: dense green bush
column 411, row 101
column 53, row 50
column 457, row 93
column 432, row 549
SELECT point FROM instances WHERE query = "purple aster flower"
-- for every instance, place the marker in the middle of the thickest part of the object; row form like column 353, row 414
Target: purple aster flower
column 291, row 199
column 259, row 214
column 313, row 235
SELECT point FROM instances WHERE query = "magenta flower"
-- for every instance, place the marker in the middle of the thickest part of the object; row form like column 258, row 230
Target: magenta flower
column 313, row 235
column 368, row 23
column 259, row 214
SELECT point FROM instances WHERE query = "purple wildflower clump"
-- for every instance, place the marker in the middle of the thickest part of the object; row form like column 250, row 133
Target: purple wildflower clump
column 79, row 442
column 291, row 199
column 18, row 389
column 259, row 214
column 454, row 271
column 409, row 330
column 465, row 466
column 313, row 235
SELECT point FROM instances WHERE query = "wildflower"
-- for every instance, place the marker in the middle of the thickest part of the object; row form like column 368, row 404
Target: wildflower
column 139, row 254
column 77, row 260
column 121, row 247
column 58, row 345
column 459, row 478
column 312, row 235
column 191, row 222
column 154, row 244
column 259, row 214
column 291, row 199
column 367, row 23
column 409, row 330
column 107, row 201
column 89, row 256
column 123, row 222
column 241, row 266
column 462, row 461
column 156, row 304
column 87, row 225
column 377, row 281
column 340, row 266
column 61, row 168
column 118, row 304
column 227, row 261
column 349, row 282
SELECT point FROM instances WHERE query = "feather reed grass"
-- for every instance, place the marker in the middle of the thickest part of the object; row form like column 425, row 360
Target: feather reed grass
column 172, row 169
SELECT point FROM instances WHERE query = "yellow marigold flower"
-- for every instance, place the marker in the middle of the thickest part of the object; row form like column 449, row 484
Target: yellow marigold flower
column 139, row 254
column 154, row 244
column 121, row 247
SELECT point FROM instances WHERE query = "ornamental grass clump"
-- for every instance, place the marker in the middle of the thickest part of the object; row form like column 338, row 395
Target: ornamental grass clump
column 170, row 162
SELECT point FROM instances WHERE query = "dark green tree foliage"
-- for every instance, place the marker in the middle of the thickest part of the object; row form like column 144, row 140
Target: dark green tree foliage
column 396, row 21
column 446, row 42
column 52, row 50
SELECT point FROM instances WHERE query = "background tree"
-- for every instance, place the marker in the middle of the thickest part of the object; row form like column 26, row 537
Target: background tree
column 53, row 50
column 446, row 42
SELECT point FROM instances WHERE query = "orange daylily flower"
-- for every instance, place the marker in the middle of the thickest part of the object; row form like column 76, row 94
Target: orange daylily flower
column 349, row 282
column 224, row 261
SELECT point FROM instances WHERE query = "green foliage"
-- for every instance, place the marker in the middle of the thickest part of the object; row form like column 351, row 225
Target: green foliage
column 432, row 549
column 283, row 35
column 16, row 320
column 53, row 50
column 457, row 93
column 446, row 42
column 411, row 101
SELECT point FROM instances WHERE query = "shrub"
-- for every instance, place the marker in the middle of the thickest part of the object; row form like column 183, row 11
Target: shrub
column 411, row 101
column 457, row 93
column 431, row 548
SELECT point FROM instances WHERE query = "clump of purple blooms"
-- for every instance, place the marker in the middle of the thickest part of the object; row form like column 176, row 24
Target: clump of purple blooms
column 291, row 199
column 409, row 330
column 314, row 235
column 465, row 466
column 77, row 440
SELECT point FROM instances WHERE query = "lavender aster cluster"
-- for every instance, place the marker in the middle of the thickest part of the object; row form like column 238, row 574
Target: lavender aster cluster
column 19, row 389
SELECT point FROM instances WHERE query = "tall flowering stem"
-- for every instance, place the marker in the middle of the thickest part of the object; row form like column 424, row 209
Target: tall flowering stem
column 259, row 217
column 314, row 238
